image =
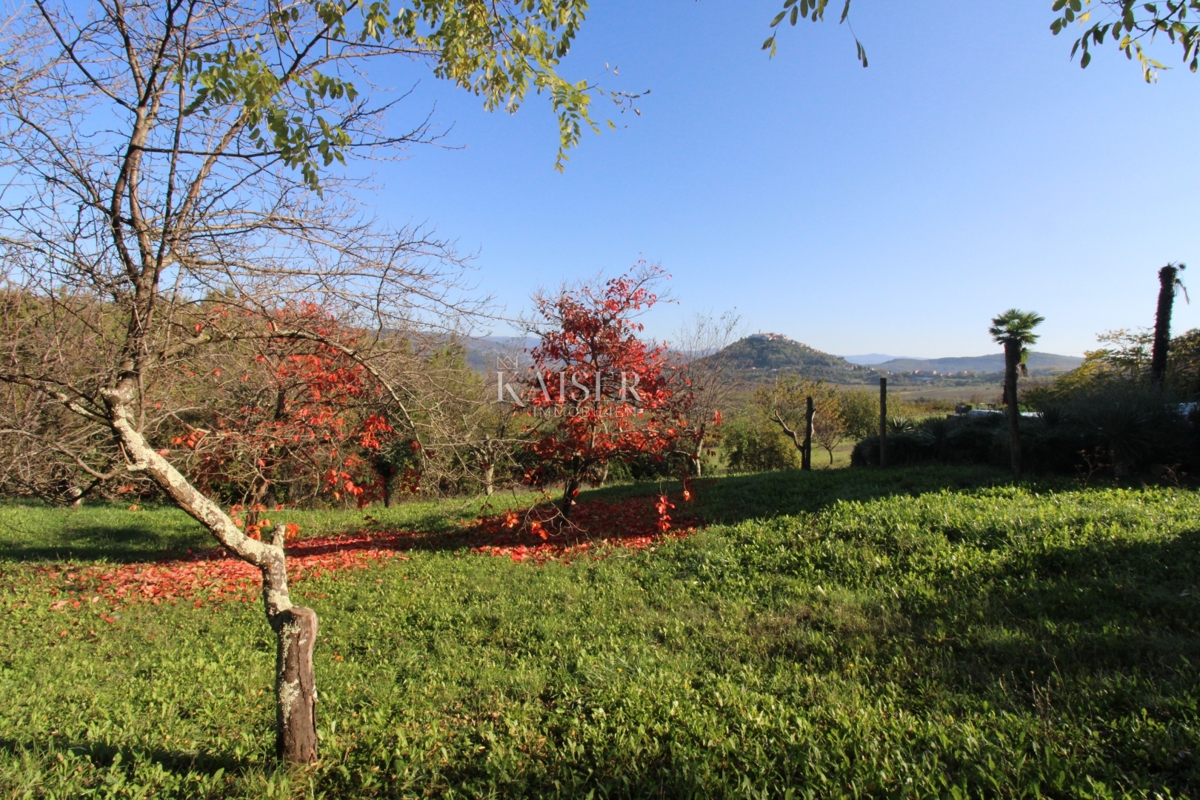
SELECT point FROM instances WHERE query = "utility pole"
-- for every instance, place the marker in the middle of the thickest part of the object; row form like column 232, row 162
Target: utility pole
column 883, row 422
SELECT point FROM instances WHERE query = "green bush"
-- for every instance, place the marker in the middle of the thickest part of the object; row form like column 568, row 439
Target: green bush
column 1119, row 427
column 971, row 441
column 756, row 445
column 903, row 448
column 1126, row 427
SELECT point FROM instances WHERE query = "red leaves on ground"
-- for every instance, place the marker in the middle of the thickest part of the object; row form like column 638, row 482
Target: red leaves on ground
column 542, row 535
column 538, row 535
column 213, row 575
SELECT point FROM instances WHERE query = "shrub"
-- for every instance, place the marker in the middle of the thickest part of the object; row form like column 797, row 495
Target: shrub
column 903, row 448
column 1129, row 427
column 971, row 441
column 755, row 445
column 1123, row 427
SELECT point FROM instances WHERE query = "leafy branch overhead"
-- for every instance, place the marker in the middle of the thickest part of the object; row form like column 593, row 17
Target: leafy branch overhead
column 499, row 51
column 1128, row 23
column 795, row 10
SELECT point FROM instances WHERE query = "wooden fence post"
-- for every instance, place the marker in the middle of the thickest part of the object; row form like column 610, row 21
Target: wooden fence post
column 806, row 456
column 883, row 422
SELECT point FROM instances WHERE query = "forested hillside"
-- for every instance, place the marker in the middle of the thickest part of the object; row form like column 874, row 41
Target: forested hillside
column 1039, row 364
column 758, row 358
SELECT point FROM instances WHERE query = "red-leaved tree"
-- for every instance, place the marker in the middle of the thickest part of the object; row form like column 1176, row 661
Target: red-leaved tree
column 296, row 418
column 600, row 393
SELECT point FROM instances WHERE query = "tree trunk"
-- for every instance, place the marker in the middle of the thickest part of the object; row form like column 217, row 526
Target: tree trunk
column 1012, row 358
column 295, row 683
column 806, row 451
column 388, row 472
column 489, row 480
column 569, row 493
column 698, row 452
column 795, row 435
column 296, row 627
column 258, row 499
column 883, row 422
column 1167, row 277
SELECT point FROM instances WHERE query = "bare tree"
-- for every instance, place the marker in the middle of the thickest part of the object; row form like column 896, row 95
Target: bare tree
column 496, row 427
column 829, row 426
column 785, row 403
column 155, row 156
column 48, row 452
column 702, row 345
column 471, row 424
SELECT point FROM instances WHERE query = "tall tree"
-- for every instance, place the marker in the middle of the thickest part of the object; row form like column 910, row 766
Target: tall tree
column 158, row 154
column 599, row 390
column 859, row 412
column 829, row 427
column 1014, row 330
column 1168, row 284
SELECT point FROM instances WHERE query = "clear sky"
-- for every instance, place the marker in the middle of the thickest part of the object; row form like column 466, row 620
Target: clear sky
column 971, row 168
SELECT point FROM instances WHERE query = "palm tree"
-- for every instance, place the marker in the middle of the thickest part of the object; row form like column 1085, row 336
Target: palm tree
column 1168, row 284
column 1014, row 330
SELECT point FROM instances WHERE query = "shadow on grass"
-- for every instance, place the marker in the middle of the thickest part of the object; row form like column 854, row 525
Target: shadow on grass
column 127, row 543
column 102, row 754
column 770, row 494
column 725, row 500
column 733, row 498
column 1098, row 637
column 82, row 554
column 632, row 523
column 1080, row 613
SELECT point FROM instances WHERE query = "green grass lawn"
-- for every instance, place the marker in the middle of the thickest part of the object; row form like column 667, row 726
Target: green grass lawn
column 923, row 632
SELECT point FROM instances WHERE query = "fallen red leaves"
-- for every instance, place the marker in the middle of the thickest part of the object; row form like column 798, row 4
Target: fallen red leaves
column 596, row 528
column 213, row 575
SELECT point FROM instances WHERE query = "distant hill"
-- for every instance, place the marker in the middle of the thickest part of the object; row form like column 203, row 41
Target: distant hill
column 871, row 359
column 763, row 356
column 1040, row 363
column 483, row 352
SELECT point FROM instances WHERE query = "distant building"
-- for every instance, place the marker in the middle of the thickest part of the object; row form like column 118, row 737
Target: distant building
column 768, row 337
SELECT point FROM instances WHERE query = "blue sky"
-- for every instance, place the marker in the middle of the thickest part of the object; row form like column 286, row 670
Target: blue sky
column 971, row 168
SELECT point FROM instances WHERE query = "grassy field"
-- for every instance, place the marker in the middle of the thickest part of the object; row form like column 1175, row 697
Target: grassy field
column 910, row 633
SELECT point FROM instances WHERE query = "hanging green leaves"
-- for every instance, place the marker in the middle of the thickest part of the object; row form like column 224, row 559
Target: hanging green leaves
column 1129, row 24
column 813, row 10
column 499, row 51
